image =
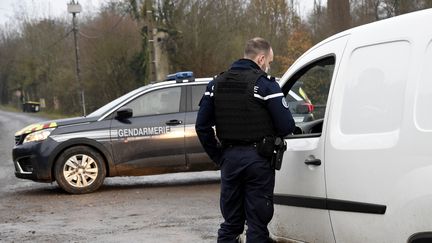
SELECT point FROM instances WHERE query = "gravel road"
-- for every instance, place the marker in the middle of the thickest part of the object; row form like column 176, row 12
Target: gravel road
column 181, row 207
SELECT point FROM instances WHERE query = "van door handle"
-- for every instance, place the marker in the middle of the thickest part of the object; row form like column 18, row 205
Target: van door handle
column 313, row 161
column 173, row 122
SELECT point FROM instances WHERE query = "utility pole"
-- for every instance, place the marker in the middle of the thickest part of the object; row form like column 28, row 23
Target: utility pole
column 74, row 8
column 151, row 33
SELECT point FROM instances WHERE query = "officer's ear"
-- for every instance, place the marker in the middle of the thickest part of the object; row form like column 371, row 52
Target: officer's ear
column 261, row 59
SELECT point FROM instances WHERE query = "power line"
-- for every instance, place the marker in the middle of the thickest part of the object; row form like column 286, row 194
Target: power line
column 90, row 37
column 61, row 39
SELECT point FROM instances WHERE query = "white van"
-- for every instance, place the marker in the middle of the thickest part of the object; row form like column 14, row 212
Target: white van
column 363, row 172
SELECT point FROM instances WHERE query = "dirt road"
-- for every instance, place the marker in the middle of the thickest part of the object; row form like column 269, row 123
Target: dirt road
column 180, row 207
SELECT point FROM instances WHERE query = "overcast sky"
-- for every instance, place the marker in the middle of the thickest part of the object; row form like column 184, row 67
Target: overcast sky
column 9, row 9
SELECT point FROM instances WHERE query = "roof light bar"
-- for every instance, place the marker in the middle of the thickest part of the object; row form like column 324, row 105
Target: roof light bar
column 180, row 76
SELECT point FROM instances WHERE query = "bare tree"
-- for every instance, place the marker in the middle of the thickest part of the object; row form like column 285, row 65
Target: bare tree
column 339, row 15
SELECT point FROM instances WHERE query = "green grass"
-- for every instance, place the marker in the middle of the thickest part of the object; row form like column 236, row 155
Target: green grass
column 52, row 115
column 42, row 113
column 9, row 108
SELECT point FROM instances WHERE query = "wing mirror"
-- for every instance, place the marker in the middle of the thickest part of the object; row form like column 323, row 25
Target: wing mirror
column 124, row 114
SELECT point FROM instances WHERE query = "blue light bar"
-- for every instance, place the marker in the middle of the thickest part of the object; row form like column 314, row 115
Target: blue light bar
column 181, row 76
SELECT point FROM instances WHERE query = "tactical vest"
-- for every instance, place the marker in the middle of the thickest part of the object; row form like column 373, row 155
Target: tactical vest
column 240, row 117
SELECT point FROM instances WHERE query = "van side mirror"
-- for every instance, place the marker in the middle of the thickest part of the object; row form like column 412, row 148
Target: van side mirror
column 124, row 113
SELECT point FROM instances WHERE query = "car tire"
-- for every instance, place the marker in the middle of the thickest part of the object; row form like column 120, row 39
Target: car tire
column 80, row 170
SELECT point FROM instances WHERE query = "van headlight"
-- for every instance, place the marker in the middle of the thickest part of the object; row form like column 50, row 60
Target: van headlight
column 38, row 136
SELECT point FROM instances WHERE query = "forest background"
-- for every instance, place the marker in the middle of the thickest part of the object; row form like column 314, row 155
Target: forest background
column 37, row 58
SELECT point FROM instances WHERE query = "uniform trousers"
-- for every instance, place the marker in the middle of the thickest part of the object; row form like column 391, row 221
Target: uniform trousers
column 247, row 184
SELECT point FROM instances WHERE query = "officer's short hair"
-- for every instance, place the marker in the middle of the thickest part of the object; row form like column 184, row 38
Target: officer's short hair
column 256, row 46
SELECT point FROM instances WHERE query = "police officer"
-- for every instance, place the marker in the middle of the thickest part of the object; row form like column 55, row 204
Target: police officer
column 245, row 106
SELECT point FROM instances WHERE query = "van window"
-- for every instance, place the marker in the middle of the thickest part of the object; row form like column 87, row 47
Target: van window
column 374, row 88
column 310, row 86
column 424, row 94
column 157, row 102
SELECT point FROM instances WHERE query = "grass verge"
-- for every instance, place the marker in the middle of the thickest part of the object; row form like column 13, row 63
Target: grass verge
column 42, row 113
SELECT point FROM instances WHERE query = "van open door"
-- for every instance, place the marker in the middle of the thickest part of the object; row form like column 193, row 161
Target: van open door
column 300, row 190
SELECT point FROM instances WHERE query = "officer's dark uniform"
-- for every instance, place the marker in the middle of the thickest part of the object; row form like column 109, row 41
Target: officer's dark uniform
column 245, row 106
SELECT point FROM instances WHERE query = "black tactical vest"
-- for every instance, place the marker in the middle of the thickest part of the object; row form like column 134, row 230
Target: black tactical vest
column 240, row 117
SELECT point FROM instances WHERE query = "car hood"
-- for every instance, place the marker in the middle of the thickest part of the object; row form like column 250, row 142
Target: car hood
column 53, row 124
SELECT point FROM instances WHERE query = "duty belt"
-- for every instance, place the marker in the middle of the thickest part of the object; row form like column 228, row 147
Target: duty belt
column 227, row 144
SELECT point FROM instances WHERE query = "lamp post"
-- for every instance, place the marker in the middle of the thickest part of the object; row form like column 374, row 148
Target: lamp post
column 74, row 8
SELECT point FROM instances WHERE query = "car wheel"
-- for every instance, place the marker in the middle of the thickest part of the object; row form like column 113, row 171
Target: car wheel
column 80, row 170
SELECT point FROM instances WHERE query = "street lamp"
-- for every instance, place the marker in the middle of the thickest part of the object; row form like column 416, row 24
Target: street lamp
column 74, row 8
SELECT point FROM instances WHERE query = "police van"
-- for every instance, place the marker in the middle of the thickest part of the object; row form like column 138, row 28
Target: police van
column 150, row 130
column 363, row 172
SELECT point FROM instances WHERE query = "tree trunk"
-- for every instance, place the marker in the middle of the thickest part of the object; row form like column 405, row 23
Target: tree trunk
column 339, row 15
